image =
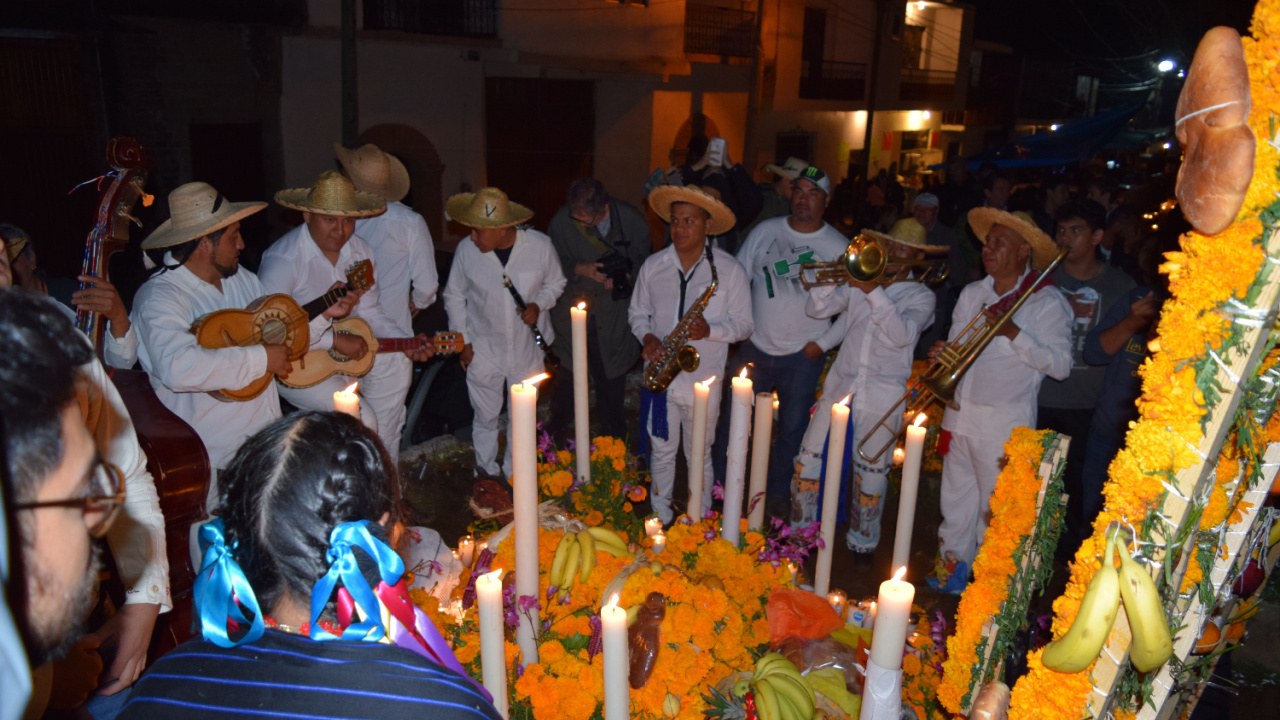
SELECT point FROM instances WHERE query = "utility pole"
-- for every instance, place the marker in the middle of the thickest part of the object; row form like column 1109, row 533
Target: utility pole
column 350, row 86
column 873, row 72
column 750, row 146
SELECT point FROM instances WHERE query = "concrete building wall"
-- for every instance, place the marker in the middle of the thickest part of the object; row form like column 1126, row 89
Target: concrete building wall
column 595, row 29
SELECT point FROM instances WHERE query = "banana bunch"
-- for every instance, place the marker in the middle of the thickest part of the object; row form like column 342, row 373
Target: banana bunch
column 576, row 555
column 781, row 692
column 1152, row 644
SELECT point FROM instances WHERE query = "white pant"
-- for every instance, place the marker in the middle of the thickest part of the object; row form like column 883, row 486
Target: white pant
column 662, row 457
column 488, row 386
column 382, row 392
column 969, row 472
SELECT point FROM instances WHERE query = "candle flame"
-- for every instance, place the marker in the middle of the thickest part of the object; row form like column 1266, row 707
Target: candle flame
column 902, row 571
column 744, row 372
column 535, row 379
column 495, row 576
column 920, row 419
column 582, row 306
column 613, row 602
column 846, row 400
column 707, row 383
column 351, row 389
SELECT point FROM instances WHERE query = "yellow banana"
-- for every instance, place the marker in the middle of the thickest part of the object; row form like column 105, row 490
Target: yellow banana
column 614, row 551
column 1152, row 644
column 605, row 536
column 788, row 708
column 767, row 701
column 562, row 553
column 633, row 612
column 588, row 544
column 796, row 691
column 1073, row 652
column 570, row 566
column 766, row 661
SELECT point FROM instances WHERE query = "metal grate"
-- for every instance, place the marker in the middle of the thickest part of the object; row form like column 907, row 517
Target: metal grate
column 831, row 80
column 459, row 18
column 711, row 30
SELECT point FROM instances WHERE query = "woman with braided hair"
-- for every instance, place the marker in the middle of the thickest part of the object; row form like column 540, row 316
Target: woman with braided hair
column 302, row 605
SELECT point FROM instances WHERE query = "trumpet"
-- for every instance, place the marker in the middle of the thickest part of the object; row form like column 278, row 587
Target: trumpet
column 866, row 260
column 938, row 383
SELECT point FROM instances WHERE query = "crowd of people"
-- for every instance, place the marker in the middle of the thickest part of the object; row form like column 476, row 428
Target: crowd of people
column 303, row 509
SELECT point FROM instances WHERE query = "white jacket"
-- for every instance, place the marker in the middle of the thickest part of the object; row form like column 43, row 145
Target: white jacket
column 403, row 256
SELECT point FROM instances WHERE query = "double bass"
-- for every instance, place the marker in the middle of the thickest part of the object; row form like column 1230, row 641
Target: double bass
column 176, row 457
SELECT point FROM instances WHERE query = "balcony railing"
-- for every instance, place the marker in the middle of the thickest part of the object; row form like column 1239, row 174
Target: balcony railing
column 831, row 80
column 459, row 18
column 711, row 30
column 938, row 85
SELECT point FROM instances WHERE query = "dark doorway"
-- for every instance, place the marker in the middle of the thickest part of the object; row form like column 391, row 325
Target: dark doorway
column 229, row 157
column 539, row 137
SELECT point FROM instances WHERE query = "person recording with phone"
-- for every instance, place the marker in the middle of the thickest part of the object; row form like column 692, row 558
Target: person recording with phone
column 727, row 181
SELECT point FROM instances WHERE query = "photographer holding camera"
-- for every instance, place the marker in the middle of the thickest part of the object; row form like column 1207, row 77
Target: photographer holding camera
column 601, row 242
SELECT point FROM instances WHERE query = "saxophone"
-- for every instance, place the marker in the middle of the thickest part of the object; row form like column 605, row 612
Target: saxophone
column 677, row 355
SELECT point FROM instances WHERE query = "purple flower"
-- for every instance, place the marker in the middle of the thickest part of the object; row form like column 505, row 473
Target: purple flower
column 551, row 591
column 434, row 568
column 717, row 492
column 519, row 669
column 709, row 534
column 529, row 602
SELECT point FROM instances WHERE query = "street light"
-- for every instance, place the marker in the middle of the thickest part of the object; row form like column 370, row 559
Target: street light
column 1053, row 127
column 1165, row 65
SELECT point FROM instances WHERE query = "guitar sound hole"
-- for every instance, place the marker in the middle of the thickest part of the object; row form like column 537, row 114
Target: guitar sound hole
column 274, row 332
column 337, row 356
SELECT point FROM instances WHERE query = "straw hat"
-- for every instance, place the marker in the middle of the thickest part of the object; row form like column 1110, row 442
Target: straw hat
column 489, row 208
column 789, row 169
column 332, row 194
column 1043, row 250
column 722, row 219
column 909, row 232
column 195, row 210
column 14, row 249
column 373, row 170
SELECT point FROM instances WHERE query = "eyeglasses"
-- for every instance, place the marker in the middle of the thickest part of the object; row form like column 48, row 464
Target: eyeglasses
column 100, row 507
column 591, row 222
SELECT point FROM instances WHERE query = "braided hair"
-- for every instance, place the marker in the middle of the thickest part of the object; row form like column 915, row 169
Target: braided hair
column 289, row 486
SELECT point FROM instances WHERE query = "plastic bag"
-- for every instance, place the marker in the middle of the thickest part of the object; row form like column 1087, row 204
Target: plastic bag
column 809, row 654
column 800, row 613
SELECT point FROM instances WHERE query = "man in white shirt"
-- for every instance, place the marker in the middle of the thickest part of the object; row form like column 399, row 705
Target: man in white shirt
column 787, row 347
column 404, row 259
column 874, row 362
column 1000, row 389
column 669, row 283
column 307, row 262
column 500, row 347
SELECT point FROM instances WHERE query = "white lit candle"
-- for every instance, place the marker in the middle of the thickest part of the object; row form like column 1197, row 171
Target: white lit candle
column 347, row 401
column 456, row 610
column 467, row 550
column 659, row 542
column 581, row 415
column 763, row 431
column 871, row 616
column 617, row 687
column 893, row 614
column 795, row 572
column 910, row 487
column 838, row 601
column 898, row 455
column 831, row 494
column 698, row 445
column 652, row 526
column 736, row 470
column 493, row 657
column 524, row 466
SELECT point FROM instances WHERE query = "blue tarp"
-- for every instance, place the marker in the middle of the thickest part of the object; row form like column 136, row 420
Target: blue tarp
column 1073, row 141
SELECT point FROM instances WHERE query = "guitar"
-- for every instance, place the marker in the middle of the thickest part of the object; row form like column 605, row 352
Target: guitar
column 272, row 320
column 319, row 365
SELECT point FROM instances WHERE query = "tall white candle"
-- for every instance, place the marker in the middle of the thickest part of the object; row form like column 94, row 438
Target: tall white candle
column 893, row 614
column 524, row 462
column 347, row 401
column 493, row 657
column 581, row 414
column 736, row 469
column 763, row 430
column 831, row 494
column 617, row 688
column 698, row 444
column 910, row 486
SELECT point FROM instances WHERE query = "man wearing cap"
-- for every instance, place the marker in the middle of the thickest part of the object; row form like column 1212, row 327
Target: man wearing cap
column 404, row 260
column 307, row 262
column 777, row 194
column 999, row 391
column 201, row 274
column 883, row 323
column 787, row 347
column 925, row 209
column 668, row 285
column 500, row 349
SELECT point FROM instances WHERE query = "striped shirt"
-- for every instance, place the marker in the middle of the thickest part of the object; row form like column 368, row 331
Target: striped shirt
column 290, row 676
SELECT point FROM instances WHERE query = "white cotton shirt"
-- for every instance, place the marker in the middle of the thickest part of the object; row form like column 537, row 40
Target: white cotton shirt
column 183, row 373
column 771, row 257
column 1000, row 390
column 294, row 265
column 655, row 308
column 120, row 352
column 403, row 258
column 482, row 309
column 883, row 327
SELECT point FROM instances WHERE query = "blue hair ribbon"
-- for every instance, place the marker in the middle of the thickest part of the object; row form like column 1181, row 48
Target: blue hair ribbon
column 345, row 568
column 222, row 591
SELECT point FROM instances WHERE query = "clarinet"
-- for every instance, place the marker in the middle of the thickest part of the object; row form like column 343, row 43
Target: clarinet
column 550, row 363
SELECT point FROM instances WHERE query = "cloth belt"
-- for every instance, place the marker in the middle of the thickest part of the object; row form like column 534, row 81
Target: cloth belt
column 652, row 406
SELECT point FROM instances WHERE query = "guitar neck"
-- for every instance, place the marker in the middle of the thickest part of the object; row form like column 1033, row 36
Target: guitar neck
column 390, row 345
column 325, row 301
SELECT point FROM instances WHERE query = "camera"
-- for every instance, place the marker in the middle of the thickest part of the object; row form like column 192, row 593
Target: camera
column 617, row 267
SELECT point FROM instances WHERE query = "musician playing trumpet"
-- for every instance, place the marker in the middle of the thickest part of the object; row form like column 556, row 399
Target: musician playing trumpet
column 874, row 362
column 668, row 288
column 999, row 391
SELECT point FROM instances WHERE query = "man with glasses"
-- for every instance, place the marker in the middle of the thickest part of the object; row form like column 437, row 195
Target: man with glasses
column 1091, row 287
column 601, row 242
column 58, row 492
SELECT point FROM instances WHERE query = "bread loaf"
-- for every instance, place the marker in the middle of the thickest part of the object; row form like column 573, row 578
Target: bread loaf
column 1212, row 125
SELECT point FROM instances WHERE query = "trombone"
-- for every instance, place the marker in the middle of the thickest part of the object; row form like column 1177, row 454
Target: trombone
column 866, row 260
column 940, row 380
